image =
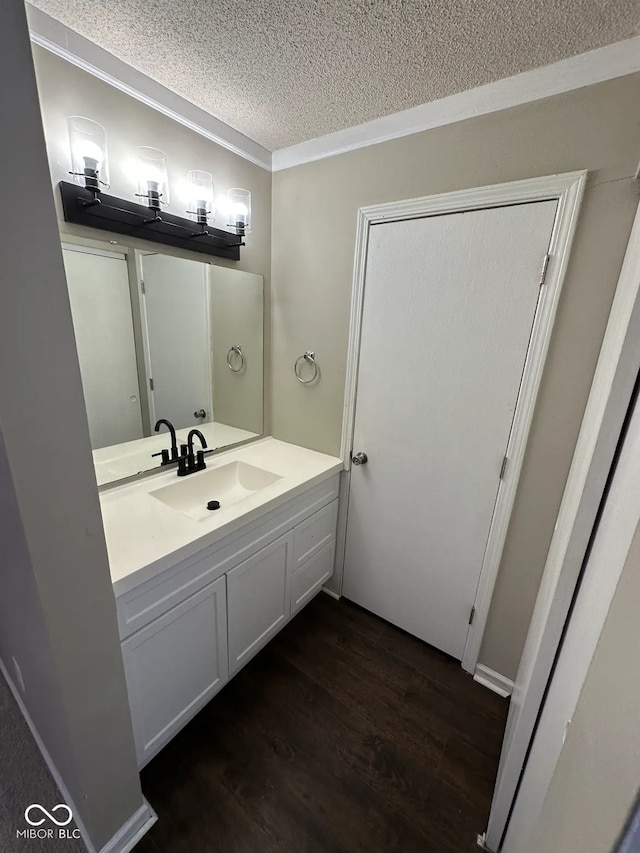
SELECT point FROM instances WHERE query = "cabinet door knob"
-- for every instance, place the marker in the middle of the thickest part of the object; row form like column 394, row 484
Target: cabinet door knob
column 360, row 458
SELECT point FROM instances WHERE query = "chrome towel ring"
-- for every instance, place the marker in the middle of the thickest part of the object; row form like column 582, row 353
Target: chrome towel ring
column 236, row 350
column 310, row 358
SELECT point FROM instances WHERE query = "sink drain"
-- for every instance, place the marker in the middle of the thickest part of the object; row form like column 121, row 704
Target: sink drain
column 213, row 505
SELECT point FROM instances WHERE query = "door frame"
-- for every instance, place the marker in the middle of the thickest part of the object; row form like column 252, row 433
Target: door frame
column 567, row 189
column 611, row 392
column 142, row 330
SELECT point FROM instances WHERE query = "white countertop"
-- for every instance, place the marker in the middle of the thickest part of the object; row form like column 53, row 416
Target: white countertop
column 144, row 536
column 133, row 457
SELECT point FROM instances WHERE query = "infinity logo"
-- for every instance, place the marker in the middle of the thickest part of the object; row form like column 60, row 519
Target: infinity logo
column 47, row 814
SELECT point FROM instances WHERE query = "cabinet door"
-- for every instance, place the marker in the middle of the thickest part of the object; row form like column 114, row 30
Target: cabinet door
column 173, row 667
column 258, row 600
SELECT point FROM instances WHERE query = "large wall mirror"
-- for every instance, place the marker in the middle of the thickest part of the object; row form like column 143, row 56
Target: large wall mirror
column 163, row 337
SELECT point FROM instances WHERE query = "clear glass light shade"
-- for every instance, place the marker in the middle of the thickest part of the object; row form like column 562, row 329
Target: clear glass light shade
column 153, row 182
column 88, row 145
column 239, row 210
column 199, row 194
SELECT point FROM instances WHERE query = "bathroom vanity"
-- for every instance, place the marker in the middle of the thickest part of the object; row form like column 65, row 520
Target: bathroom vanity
column 207, row 566
column 200, row 591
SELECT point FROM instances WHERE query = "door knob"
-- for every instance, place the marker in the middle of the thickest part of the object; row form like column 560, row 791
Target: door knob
column 360, row 458
column 200, row 414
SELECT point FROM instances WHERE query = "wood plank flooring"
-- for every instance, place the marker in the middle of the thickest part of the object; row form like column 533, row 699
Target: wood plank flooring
column 343, row 734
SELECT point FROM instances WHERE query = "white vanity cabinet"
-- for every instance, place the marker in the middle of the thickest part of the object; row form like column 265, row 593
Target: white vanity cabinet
column 188, row 628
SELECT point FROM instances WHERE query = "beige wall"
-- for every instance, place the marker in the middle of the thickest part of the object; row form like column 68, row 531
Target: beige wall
column 66, row 90
column 314, row 219
column 57, row 609
column 597, row 776
column 236, row 318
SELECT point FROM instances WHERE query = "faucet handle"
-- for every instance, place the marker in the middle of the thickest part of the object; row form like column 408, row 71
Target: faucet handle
column 165, row 456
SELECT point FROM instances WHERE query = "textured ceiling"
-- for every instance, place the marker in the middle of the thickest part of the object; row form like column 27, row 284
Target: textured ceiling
column 283, row 71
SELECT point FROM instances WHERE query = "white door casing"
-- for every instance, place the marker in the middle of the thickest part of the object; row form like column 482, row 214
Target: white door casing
column 611, row 391
column 616, row 529
column 567, row 191
column 176, row 313
column 98, row 284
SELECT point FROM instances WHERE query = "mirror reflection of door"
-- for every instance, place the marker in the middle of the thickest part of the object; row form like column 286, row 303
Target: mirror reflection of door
column 176, row 304
column 98, row 284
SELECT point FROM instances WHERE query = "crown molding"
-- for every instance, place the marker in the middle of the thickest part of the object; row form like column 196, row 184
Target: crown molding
column 64, row 42
column 585, row 69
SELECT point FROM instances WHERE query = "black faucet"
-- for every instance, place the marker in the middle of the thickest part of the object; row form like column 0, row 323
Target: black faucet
column 174, row 444
column 188, row 463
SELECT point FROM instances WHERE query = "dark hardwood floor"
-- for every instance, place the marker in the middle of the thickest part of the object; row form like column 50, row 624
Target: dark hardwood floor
column 343, row 734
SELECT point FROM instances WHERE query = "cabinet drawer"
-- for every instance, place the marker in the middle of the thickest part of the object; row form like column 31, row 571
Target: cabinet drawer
column 308, row 580
column 141, row 606
column 314, row 534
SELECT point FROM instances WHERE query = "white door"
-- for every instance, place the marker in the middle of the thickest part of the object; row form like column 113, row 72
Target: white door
column 100, row 298
column 177, row 317
column 448, row 310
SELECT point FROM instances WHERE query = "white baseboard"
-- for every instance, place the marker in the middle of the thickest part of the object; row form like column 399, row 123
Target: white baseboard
column 331, row 593
column 129, row 834
column 132, row 831
column 493, row 680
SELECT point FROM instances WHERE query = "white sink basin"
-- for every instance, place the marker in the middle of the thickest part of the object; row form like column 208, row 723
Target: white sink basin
column 227, row 484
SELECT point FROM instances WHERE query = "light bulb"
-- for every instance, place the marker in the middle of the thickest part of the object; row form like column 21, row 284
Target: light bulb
column 88, row 147
column 239, row 210
column 199, row 195
column 152, row 177
column 90, row 153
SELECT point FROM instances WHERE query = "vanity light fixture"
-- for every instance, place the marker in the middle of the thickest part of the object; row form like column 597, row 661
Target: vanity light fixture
column 153, row 182
column 85, row 203
column 88, row 144
column 239, row 210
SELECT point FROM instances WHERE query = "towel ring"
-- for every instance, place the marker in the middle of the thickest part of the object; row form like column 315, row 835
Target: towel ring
column 310, row 358
column 237, row 350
